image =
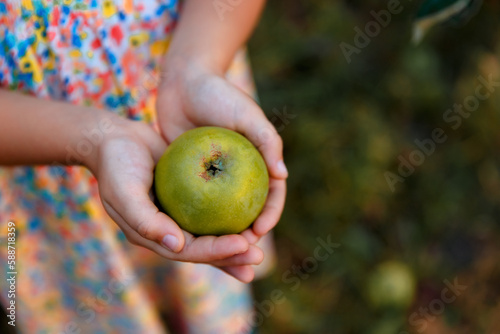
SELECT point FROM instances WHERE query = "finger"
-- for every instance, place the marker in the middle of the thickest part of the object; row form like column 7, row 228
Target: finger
column 253, row 256
column 149, row 224
column 157, row 146
column 273, row 208
column 243, row 274
column 250, row 235
column 211, row 248
column 254, row 125
column 132, row 204
column 207, row 250
column 170, row 112
column 171, row 131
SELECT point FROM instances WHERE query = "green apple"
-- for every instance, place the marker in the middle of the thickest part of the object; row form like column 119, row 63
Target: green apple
column 212, row 181
column 391, row 284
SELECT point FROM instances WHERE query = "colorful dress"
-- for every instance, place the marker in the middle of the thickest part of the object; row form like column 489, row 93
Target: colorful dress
column 76, row 271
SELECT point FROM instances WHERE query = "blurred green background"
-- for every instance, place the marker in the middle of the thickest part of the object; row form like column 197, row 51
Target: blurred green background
column 349, row 124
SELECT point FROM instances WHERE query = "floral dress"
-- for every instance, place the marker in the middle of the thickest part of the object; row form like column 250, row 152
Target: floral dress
column 76, row 271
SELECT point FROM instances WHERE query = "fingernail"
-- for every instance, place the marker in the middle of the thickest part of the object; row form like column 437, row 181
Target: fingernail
column 281, row 167
column 170, row 242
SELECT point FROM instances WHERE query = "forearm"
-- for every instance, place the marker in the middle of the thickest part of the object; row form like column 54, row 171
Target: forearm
column 37, row 131
column 211, row 36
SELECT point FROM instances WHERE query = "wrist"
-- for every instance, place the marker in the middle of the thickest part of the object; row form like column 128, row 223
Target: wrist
column 179, row 67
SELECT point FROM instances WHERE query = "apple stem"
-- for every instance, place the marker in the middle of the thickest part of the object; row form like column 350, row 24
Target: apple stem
column 213, row 169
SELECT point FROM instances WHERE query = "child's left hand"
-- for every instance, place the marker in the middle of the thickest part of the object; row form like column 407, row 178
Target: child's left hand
column 123, row 164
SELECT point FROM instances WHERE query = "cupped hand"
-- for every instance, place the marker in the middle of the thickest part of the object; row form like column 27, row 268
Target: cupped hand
column 192, row 94
column 123, row 164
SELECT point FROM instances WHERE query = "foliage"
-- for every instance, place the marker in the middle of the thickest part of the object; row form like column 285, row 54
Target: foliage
column 352, row 123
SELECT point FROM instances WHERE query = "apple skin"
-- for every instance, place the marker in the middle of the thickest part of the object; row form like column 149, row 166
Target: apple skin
column 391, row 284
column 212, row 181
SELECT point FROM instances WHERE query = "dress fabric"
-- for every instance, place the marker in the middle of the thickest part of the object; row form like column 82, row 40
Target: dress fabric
column 76, row 271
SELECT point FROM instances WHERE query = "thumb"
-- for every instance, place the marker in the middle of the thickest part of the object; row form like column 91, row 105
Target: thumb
column 141, row 220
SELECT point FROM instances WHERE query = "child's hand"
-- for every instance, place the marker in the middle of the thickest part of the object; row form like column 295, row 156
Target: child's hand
column 123, row 163
column 192, row 95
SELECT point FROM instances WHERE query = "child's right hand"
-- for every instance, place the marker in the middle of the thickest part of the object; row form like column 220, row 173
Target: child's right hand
column 123, row 164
